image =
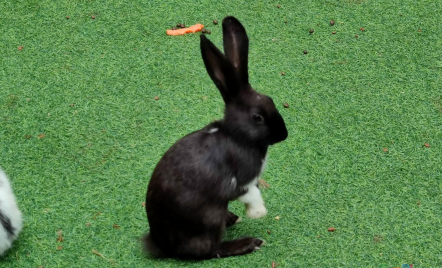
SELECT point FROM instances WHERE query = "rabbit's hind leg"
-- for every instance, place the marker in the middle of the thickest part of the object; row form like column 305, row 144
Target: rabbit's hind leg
column 240, row 246
column 198, row 247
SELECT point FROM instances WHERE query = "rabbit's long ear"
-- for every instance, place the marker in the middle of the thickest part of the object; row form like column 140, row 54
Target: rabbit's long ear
column 220, row 69
column 236, row 46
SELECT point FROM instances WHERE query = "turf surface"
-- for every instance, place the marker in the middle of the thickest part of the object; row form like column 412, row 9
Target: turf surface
column 80, row 130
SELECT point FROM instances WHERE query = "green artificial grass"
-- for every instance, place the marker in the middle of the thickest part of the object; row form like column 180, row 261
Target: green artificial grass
column 81, row 132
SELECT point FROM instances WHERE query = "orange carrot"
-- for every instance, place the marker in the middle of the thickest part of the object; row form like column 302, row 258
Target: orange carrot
column 192, row 29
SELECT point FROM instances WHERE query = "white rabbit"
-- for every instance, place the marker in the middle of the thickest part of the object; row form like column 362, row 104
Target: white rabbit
column 10, row 215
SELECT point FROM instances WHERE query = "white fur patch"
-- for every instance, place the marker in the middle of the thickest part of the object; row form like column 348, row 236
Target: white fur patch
column 9, row 209
column 255, row 208
column 233, row 182
column 213, row 130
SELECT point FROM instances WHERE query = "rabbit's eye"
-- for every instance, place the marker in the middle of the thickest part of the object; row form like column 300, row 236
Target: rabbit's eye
column 257, row 118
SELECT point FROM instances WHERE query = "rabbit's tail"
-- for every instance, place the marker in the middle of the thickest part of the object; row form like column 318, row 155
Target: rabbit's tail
column 151, row 248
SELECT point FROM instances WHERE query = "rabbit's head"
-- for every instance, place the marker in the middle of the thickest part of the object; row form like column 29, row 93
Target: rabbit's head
column 249, row 115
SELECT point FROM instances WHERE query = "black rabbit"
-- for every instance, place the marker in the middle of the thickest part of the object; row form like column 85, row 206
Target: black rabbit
column 190, row 188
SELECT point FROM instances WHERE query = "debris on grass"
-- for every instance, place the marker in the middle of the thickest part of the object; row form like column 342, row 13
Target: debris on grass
column 98, row 253
column 101, row 255
column 332, row 22
column 385, row 150
column 427, row 145
column 286, row 105
column 20, row 48
column 263, row 184
column 205, row 31
column 60, row 236
column 116, row 226
column 277, row 218
column 377, row 239
column 331, row 229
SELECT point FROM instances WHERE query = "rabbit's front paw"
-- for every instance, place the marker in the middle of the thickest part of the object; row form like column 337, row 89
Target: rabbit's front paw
column 256, row 212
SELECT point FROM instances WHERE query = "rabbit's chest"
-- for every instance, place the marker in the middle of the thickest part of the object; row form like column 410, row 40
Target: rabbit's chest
column 250, row 173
